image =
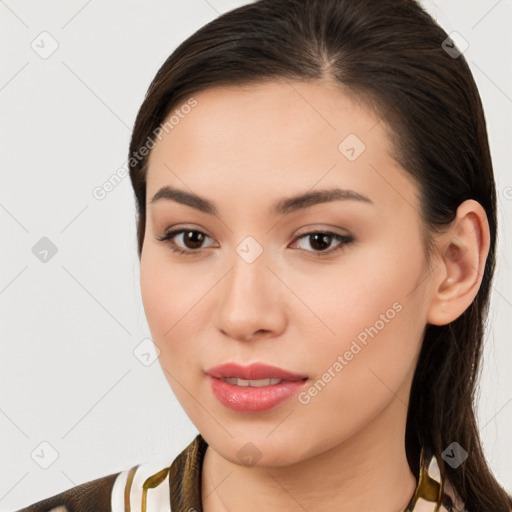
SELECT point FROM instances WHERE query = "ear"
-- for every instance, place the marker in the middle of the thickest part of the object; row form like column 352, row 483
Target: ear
column 461, row 255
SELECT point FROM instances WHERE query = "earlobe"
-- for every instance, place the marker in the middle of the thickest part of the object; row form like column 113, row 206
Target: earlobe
column 462, row 253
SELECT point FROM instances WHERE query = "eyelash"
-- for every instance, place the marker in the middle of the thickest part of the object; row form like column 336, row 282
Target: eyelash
column 344, row 239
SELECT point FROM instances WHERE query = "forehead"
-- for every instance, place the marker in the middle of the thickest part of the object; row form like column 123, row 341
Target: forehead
column 278, row 114
column 273, row 136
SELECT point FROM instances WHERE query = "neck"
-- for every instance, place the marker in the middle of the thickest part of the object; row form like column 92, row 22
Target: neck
column 369, row 471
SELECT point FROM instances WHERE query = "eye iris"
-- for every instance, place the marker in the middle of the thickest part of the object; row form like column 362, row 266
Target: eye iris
column 320, row 241
column 192, row 237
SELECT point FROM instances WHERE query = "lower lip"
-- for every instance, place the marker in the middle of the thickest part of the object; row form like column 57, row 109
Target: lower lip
column 252, row 399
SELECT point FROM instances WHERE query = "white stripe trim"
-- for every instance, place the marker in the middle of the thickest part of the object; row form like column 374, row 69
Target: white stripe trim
column 158, row 498
column 424, row 506
column 117, row 501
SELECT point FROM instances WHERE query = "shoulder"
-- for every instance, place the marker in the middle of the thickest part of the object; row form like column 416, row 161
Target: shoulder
column 79, row 498
column 117, row 492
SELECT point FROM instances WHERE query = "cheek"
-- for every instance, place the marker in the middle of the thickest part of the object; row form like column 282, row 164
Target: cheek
column 369, row 317
column 353, row 295
column 361, row 368
column 172, row 304
column 170, row 297
column 155, row 288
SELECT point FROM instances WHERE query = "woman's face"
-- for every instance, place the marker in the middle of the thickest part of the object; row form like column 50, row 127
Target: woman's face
column 346, row 310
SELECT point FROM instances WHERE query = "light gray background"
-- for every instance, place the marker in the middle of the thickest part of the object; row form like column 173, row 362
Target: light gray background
column 69, row 376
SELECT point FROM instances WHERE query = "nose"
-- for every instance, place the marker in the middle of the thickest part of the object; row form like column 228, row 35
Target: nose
column 251, row 301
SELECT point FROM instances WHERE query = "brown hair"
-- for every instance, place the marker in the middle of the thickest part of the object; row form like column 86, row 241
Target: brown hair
column 390, row 54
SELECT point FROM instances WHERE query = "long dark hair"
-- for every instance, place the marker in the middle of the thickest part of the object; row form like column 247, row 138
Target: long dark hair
column 393, row 56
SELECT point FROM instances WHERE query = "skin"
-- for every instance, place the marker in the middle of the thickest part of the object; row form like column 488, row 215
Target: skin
column 244, row 148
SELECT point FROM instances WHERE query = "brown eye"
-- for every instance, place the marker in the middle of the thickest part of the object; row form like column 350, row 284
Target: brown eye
column 319, row 241
column 193, row 239
column 190, row 243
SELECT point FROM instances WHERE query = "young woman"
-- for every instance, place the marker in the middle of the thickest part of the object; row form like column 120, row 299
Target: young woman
column 316, row 233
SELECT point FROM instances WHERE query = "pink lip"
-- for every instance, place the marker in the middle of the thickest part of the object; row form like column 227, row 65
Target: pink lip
column 252, row 372
column 253, row 399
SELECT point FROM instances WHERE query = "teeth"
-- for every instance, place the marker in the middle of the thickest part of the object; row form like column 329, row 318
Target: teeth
column 252, row 383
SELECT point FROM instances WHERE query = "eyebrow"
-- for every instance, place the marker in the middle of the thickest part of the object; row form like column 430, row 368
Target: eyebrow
column 282, row 207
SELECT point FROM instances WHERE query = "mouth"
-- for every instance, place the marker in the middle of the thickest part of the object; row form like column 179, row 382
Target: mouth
column 259, row 388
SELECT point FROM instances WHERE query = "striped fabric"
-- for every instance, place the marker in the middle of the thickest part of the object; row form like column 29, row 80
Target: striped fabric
column 175, row 486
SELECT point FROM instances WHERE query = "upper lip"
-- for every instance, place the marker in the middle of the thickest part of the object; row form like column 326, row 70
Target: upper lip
column 253, row 371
